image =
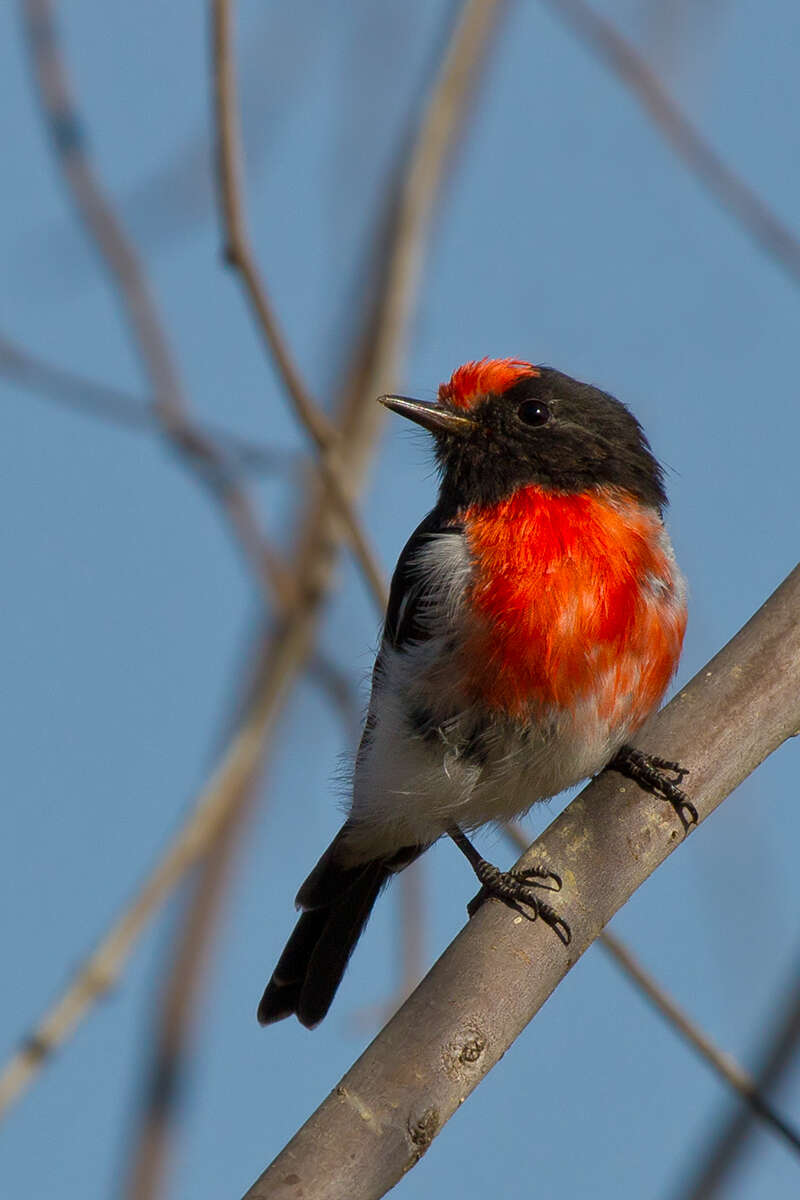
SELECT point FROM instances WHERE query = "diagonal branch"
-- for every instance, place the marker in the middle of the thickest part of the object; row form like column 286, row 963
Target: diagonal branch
column 289, row 648
column 187, row 958
column 68, row 135
column 134, row 413
column 724, row 1066
column 132, row 289
column 239, row 253
column 717, row 1161
column 732, row 191
column 180, row 992
column 500, row 969
column 128, row 412
column 378, row 356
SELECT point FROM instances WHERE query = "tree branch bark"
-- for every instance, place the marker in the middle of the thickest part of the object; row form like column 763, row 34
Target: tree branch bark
column 500, row 969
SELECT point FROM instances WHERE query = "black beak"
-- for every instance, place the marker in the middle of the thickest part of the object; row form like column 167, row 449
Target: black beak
column 430, row 416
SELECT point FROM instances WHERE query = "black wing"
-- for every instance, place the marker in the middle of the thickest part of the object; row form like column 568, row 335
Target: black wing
column 404, row 622
column 404, row 614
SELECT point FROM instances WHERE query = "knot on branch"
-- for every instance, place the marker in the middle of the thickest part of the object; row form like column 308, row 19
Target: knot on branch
column 466, row 1049
column 422, row 1132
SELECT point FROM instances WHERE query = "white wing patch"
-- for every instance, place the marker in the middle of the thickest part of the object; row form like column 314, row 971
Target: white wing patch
column 442, row 569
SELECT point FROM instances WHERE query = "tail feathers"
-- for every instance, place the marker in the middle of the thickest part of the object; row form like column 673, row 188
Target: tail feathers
column 329, row 880
column 338, row 902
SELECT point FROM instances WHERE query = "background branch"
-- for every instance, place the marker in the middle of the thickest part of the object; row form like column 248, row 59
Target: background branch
column 133, row 413
column 139, row 310
column 724, row 1066
column 68, row 135
column 289, row 647
column 239, row 254
column 500, row 969
column 377, row 357
column 729, row 1143
column 179, row 1001
column 744, row 204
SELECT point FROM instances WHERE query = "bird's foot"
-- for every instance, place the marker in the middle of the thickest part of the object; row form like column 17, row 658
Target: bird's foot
column 658, row 776
column 516, row 888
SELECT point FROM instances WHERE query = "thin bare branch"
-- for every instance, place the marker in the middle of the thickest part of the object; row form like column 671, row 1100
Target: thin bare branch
column 718, row 1160
column 191, row 947
column 723, row 1065
column 456, row 83
column 733, row 192
column 292, row 642
column 177, row 1010
column 217, row 804
column 239, row 253
column 134, row 413
column 375, row 368
column 68, row 135
column 482, row 992
column 125, row 410
column 131, row 287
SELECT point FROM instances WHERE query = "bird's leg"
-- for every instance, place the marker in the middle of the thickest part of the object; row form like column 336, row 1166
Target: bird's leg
column 658, row 776
column 515, row 887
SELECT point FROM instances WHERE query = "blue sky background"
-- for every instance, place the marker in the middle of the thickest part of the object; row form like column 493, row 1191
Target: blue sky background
column 568, row 234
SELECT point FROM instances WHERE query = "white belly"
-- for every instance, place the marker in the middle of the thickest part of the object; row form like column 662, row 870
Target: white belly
column 413, row 781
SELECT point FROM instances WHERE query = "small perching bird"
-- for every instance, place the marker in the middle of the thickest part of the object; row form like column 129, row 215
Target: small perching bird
column 535, row 619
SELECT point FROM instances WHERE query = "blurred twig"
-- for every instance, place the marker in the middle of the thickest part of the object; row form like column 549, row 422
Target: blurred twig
column 288, row 649
column 730, row 189
column 240, row 255
column 209, row 816
column 130, row 412
column 723, row 1065
column 190, row 949
column 139, row 309
column 68, row 135
column 167, row 202
column 377, row 353
column 188, row 961
column 727, row 1144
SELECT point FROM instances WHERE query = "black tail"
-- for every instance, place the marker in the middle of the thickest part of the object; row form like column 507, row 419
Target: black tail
column 336, row 903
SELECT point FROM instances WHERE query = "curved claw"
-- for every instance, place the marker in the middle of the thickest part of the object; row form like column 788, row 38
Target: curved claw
column 511, row 888
column 648, row 771
column 535, row 876
column 539, row 910
column 683, row 806
column 516, row 888
column 559, row 926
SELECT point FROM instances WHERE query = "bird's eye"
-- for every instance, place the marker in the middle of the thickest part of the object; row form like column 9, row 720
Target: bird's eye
column 533, row 412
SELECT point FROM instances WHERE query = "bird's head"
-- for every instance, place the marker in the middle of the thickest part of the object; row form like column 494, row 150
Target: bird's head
column 502, row 424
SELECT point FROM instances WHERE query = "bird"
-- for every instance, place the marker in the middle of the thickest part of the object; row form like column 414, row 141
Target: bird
column 535, row 619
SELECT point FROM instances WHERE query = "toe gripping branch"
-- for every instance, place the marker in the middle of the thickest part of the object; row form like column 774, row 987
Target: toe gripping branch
column 517, row 888
column 658, row 776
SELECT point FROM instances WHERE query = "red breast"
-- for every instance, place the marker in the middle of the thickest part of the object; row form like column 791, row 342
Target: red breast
column 575, row 596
